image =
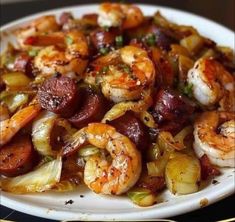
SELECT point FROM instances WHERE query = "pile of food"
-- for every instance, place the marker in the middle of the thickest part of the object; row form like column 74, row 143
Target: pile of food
column 125, row 103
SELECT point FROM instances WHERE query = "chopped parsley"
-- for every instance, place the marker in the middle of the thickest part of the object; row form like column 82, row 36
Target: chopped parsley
column 69, row 40
column 188, row 90
column 33, row 52
column 119, row 41
column 150, row 39
column 104, row 51
column 125, row 68
column 104, row 70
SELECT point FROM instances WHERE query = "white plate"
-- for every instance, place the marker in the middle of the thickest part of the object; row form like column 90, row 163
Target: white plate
column 99, row 207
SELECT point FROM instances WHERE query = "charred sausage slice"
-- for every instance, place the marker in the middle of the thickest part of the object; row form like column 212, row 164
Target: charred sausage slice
column 132, row 127
column 92, row 108
column 17, row 157
column 59, row 94
column 169, row 105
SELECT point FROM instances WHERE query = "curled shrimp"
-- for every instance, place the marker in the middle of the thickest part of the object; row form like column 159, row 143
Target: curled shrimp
column 101, row 175
column 9, row 127
column 64, row 53
column 44, row 24
column 211, row 83
column 214, row 135
column 128, row 71
column 119, row 15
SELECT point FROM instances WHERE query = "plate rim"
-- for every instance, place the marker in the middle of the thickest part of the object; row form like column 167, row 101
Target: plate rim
column 182, row 207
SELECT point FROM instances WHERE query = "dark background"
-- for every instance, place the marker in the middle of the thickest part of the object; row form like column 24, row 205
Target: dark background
column 221, row 11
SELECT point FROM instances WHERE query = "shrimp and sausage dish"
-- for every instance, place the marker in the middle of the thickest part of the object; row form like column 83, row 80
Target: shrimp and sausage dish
column 122, row 103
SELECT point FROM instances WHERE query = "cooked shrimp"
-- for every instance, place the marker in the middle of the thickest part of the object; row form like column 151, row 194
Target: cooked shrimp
column 210, row 82
column 127, row 75
column 44, row 24
column 103, row 176
column 119, row 15
column 214, row 139
column 9, row 127
column 65, row 53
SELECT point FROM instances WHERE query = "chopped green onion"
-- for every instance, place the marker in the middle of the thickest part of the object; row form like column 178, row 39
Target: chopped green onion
column 69, row 40
column 188, row 90
column 125, row 68
column 119, row 41
column 104, row 51
column 104, row 70
column 151, row 39
column 33, row 52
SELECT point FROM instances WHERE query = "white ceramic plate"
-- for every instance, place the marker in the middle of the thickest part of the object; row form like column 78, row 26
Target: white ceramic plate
column 99, row 207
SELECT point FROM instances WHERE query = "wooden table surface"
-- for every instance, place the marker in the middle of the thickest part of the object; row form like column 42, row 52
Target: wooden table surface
column 221, row 11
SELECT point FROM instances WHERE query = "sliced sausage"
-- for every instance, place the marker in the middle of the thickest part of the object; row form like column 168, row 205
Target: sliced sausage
column 152, row 183
column 164, row 38
column 91, row 109
column 21, row 62
column 132, row 127
column 72, row 169
column 207, row 169
column 59, row 94
column 169, row 105
column 65, row 17
column 17, row 157
column 91, row 19
column 101, row 38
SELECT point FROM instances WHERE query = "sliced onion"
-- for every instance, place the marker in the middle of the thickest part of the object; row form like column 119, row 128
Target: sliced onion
column 147, row 119
column 64, row 186
column 39, row 180
column 180, row 137
column 41, row 132
column 193, row 43
column 157, row 166
column 142, row 197
column 121, row 108
column 167, row 142
column 13, row 102
column 15, row 80
column 183, row 174
column 88, row 151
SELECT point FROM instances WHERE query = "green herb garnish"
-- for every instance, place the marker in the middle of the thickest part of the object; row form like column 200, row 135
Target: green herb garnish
column 33, row 52
column 188, row 90
column 151, row 39
column 125, row 68
column 104, row 51
column 104, row 70
column 119, row 41
column 68, row 40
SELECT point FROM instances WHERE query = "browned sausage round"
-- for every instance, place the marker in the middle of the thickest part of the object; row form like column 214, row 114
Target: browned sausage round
column 101, row 38
column 152, row 183
column 169, row 105
column 164, row 37
column 17, row 157
column 59, row 94
column 132, row 127
column 92, row 108
column 65, row 17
